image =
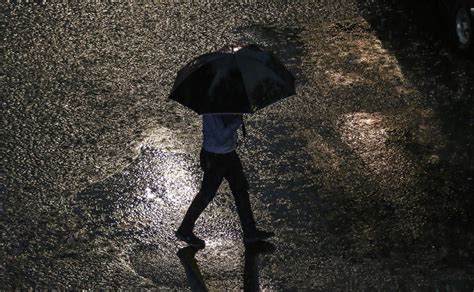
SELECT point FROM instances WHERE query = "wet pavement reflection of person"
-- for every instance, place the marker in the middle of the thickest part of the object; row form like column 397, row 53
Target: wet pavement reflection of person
column 187, row 257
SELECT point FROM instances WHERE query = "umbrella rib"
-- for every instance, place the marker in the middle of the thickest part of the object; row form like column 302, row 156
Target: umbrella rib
column 262, row 62
column 268, row 70
column 243, row 81
column 210, row 57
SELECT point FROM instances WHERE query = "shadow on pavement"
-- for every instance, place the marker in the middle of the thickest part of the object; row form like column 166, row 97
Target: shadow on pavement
column 414, row 33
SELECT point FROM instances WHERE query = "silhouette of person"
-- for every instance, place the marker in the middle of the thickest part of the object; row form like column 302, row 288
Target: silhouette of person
column 187, row 257
column 219, row 160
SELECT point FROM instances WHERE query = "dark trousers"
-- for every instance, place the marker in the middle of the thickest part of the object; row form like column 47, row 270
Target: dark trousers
column 216, row 167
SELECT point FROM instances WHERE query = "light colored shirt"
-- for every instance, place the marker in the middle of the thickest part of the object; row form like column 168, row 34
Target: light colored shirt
column 220, row 132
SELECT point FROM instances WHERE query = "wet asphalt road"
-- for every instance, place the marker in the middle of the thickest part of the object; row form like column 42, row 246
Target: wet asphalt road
column 365, row 175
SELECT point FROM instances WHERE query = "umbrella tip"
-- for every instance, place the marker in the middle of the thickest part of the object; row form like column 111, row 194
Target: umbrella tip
column 231, row 48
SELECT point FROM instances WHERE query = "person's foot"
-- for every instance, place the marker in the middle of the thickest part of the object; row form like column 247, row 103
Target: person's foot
column 190, row 238
column 258, row 236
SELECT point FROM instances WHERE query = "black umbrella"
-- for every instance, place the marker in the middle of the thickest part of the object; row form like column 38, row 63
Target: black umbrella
column 232, row 81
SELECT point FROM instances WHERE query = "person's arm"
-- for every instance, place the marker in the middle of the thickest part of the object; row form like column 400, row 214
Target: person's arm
column 225, row 132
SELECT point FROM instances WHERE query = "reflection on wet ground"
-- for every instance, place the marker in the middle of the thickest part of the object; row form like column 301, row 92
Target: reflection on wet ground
column 365, row 175
column 251, row 280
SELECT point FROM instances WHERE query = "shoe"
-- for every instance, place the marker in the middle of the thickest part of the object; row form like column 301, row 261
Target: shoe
column 190, row 239
column 258, row 236
column 187, row 253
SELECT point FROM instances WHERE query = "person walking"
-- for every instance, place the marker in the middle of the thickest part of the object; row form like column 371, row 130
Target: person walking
column 219, row 160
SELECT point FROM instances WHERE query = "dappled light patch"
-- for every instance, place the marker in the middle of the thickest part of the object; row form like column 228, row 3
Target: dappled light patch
column 344, row 79
column 367, row 134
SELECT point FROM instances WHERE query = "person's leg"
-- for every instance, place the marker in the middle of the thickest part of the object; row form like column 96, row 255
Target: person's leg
column 239, row 187
column 210, row 184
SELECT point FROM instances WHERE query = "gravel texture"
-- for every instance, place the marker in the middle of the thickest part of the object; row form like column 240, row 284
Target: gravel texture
column 366, row 175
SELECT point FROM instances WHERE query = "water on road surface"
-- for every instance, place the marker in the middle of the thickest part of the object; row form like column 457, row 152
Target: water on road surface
column 365, row 175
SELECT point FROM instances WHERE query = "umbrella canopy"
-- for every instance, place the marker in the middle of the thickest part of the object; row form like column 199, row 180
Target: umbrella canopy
column 232, row 81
